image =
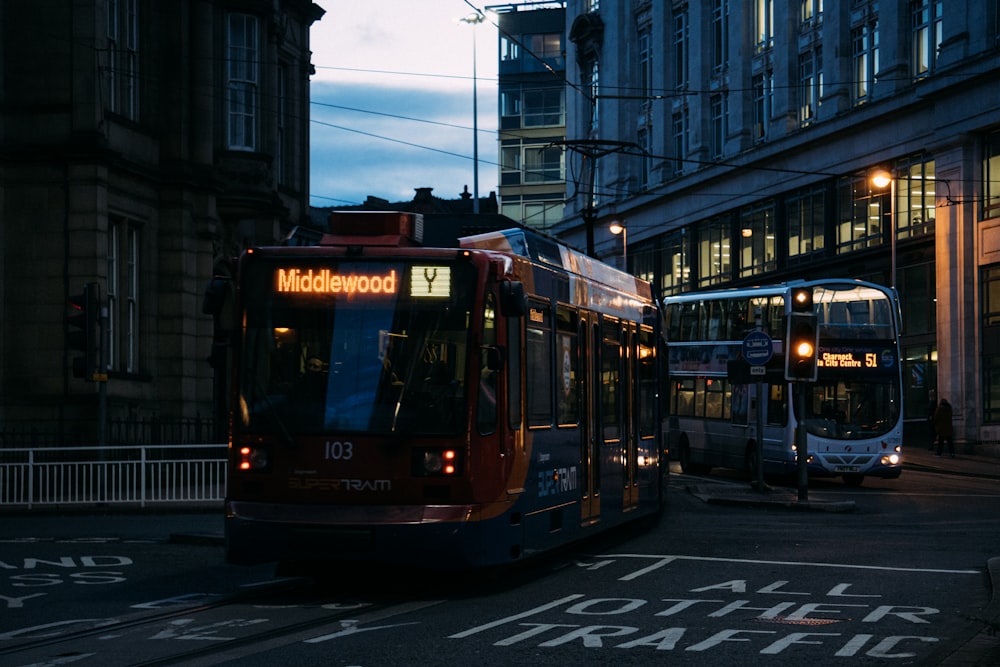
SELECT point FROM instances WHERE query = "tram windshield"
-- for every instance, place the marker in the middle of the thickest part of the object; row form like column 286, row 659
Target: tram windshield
column 373, row 346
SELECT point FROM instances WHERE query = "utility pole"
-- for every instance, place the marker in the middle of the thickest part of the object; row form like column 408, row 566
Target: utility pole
column 592, row 149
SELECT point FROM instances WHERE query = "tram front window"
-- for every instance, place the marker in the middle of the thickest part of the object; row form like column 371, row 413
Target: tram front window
column 851, row 410
column 391, row 360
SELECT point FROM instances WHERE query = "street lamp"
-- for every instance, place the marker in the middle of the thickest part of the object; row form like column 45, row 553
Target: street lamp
column 617, row 228
column 880, row 179
column 474, row 20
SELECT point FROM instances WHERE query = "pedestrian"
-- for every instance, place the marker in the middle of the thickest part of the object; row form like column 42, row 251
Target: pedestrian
column 931, row 409
column 943, row 428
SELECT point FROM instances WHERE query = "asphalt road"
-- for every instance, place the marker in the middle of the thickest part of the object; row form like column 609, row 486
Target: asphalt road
column 895, row 572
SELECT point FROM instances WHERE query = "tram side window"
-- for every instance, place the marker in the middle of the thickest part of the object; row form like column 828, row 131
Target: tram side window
column 514, row 372
column 611, row 395
column 567, row 370
column 538, row 357
column 647, row 383
column 486, row 413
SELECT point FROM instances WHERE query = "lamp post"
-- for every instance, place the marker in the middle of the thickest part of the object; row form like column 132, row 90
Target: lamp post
column 474, row 20
column 617, row 228
column 880, row 179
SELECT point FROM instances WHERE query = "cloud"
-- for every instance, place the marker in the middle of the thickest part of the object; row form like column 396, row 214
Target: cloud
column 392, row 101
column 385, row 141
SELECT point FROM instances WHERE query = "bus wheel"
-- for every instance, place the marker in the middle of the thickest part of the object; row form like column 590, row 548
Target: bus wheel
column 853, row 479
column 684, row 457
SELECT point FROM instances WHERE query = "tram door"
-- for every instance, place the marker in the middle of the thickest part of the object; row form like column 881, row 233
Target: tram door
column 630, row 408
column 590, row 431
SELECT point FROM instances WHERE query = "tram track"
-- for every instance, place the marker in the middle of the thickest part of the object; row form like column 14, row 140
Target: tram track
column 225, row 629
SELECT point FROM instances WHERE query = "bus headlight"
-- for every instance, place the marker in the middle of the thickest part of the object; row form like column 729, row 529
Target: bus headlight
column 890, row 459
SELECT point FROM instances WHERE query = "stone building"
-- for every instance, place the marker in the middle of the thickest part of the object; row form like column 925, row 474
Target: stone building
column 739, row 139
column 142, row 144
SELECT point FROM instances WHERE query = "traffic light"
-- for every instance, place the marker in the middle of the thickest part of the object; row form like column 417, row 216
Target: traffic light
column 83, row 330
column 802, row 300
column 801, row 343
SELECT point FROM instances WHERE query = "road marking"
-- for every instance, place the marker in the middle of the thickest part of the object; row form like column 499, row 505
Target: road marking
column 517, row 617
column 668, row 558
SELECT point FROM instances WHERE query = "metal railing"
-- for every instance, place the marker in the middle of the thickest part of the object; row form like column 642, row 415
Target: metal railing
column 134, row 475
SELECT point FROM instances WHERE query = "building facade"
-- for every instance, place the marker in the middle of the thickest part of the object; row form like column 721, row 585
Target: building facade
column 532, row 111
column 742, row 138
column 142, row 145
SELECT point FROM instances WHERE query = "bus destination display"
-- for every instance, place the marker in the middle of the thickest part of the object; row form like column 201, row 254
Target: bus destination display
column 862, row 358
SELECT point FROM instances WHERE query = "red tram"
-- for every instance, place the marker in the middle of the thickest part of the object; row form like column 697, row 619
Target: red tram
column 456, row 407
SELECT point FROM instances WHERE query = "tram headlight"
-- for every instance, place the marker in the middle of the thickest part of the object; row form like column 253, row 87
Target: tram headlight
column 436, row 462
column 253, row 459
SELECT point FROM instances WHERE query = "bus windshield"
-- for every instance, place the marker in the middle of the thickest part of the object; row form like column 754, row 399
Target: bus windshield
column 845, row 410
column 856, row 395
column 374, row 346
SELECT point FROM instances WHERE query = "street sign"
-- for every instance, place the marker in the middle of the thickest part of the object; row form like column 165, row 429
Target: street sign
column 757, row 348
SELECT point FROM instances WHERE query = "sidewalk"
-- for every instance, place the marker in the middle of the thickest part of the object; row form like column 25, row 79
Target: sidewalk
column 914, row 458
column 969, row 465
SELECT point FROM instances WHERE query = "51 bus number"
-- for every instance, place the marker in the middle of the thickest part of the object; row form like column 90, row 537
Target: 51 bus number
column 871, row 360
column 338, row 451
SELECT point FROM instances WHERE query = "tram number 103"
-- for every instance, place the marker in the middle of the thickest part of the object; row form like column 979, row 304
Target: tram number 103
column 338, row 451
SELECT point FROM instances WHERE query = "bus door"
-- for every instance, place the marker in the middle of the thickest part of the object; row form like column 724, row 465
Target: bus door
column 630, row 414
column 590, row 421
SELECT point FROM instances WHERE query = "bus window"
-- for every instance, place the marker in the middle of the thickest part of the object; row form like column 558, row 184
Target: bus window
column 683, row 402
column 777, row 405
column 715, row 321
column 739, row 312
column 714, row 395
column 689, row 316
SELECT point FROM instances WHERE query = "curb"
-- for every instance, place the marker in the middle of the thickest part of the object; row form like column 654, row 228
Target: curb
column 779, row 499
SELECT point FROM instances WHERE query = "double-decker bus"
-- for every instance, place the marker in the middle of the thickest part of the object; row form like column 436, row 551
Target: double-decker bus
column 853, row 411
column 437, row 407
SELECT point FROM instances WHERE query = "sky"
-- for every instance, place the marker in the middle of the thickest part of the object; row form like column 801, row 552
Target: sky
column 392, row 100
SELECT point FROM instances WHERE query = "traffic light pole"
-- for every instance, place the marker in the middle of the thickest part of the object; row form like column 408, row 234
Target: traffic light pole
column 801, row 447
column 102, row 389
column 759, row 473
